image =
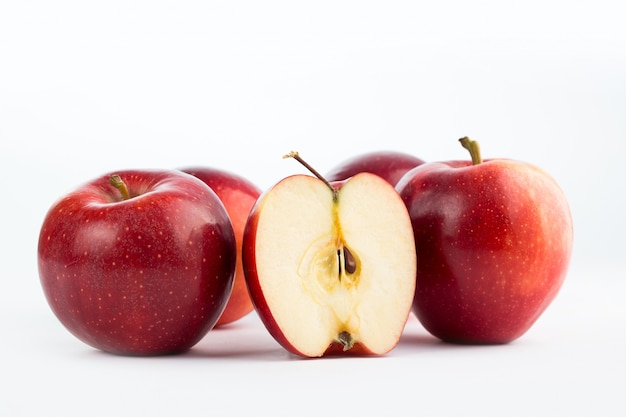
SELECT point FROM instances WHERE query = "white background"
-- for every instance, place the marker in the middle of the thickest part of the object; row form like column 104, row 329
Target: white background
column 89, row 87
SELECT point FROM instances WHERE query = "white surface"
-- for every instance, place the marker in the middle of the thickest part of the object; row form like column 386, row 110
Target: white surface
column 86, row 88
column 570, row 363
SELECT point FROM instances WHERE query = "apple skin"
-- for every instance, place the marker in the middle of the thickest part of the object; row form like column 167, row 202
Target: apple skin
column 149, row 275
column 238, row 194
column 493, row 242
column 389, row 165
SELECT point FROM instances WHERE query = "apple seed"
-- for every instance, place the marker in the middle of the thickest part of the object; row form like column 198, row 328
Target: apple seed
column 349, row 261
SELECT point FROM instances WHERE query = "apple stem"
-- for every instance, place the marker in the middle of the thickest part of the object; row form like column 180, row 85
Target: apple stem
column 295, row 155
column 473, row 148
column 116, row 181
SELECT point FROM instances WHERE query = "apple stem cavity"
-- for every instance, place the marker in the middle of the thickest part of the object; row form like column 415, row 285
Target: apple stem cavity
column 295, row 155
column 117, row 182
column 473, row 148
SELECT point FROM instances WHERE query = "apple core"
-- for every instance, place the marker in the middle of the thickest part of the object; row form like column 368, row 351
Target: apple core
column 335, row 292
column 330, row 274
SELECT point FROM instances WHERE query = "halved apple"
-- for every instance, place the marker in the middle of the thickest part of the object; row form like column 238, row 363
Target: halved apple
column 331, row 267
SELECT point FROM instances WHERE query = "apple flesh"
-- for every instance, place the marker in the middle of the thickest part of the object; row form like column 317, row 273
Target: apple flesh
column 238, row 194
column 331, row 267
column 494, row 240
column 139, row 266
column 389, row 165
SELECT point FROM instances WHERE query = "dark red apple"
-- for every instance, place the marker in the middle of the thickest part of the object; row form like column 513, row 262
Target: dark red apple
column 238, row 194
column 138, row 262
column 389, row 165
column 493, row 239
column 331, row 267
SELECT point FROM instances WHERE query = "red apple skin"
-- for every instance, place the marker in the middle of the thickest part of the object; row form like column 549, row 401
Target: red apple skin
column 238, row 194
column 149, row 275
column 252, row 279
column 258, row 298
column 493, row 241
column 389, row 165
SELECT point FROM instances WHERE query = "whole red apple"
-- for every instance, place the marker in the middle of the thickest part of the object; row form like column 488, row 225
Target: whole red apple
column 493, row 239
column 389, row 165
column 238, row 194
column 138, row 262
column 331, row 267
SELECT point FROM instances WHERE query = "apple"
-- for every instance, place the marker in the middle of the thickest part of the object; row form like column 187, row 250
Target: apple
column 238, row 194
column 390, row 165
column 494, row 241
column 331, row 267
column 138, row 262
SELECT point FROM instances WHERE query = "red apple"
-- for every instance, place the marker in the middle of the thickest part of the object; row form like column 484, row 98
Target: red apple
column 389, row 165
column 494, row 240
column 331, row 267
column 238, row 195
column 138, row 263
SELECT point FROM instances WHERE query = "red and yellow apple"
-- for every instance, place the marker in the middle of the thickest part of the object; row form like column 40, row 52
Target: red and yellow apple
column 389, row 165
column 493, row 239
column 238, row 194
column 331, row 267
column 138, row 262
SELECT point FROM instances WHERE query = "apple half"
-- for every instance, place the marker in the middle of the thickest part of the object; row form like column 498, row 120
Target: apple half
column 331, row 267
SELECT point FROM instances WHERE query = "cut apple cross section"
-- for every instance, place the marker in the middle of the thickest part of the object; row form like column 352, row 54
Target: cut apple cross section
column 331, row 267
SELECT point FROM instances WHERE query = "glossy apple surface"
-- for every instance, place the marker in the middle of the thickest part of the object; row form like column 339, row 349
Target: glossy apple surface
column 331, row 270
column 493, row 241
column 145, row 274
column 238, row 194
column 389, row 165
